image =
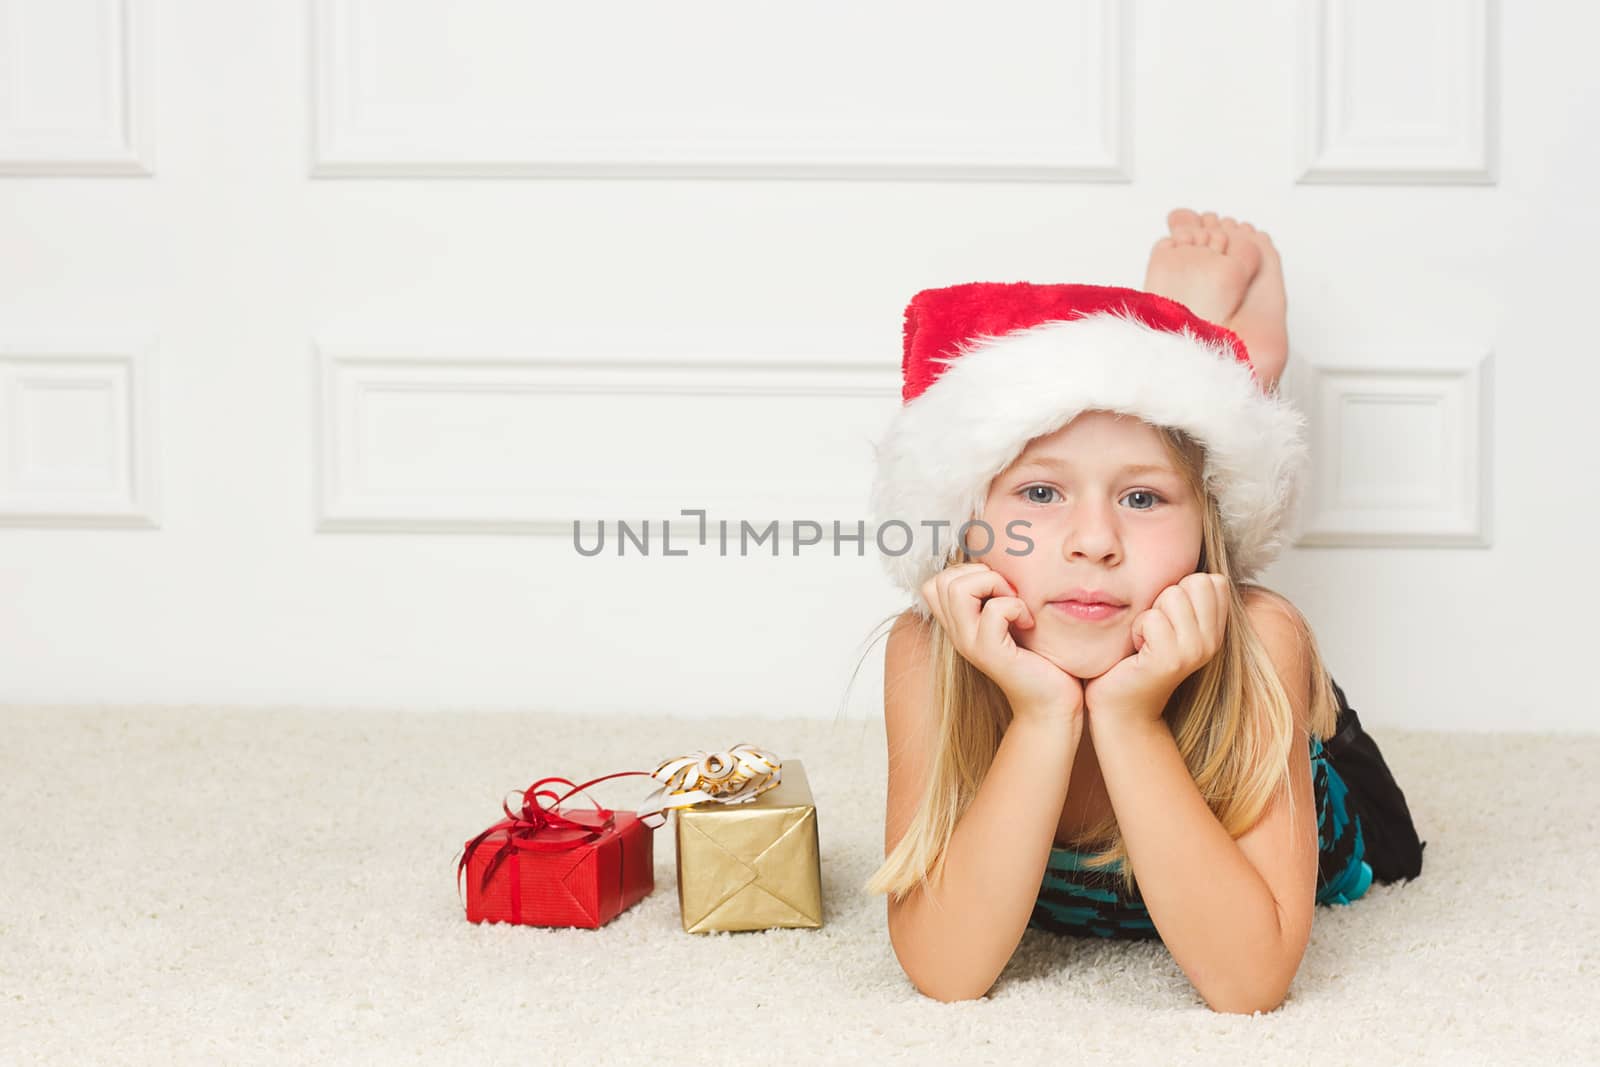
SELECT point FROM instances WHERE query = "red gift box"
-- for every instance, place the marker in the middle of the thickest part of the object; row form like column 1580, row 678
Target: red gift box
column 547, row 867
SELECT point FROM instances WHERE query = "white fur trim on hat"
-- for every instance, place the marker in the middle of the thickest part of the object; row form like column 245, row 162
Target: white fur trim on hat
column 944, row 448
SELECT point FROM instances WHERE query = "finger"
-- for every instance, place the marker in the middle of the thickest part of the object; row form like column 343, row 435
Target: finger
column 994, row 624
column 1189, row 641
column 1202, row 592
column 931, row 597
column 957, row 569
column 1210, row 596
column 1172, row 602
column 1158, row 633
column 941, row 590
column 982, row 577
column 986, row 583
column 964, row 596
column 947, row 577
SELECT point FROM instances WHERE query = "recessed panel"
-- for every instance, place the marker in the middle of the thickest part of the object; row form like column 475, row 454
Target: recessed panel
column 70, row 92
column 535, row 444
column 1398, row 91
column 75, row 437
column 1399, row 456
column 1392, row 451
column 721, row 87
column 69, row 436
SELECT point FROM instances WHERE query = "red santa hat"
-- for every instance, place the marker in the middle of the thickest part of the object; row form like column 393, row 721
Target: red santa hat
column 989, row 366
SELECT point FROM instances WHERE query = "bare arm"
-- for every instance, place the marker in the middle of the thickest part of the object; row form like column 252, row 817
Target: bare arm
column 1236, row 915
column 955, row 935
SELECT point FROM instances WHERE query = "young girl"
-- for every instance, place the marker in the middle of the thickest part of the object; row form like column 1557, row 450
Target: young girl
column 1097, row 723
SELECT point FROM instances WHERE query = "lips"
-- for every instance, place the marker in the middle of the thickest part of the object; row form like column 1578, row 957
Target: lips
column 1088, row 596
column 1077, row 609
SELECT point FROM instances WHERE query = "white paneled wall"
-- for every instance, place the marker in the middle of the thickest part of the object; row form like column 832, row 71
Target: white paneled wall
column 436, row 289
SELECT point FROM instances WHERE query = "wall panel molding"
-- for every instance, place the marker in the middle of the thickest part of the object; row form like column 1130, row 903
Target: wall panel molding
column 77, row 434
column 1401, row 456
column 1401, row 92
column 395, row 98
column 74, row 99
column 505, row 443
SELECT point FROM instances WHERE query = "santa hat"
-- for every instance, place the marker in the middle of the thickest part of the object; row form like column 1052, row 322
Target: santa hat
column 989, row 366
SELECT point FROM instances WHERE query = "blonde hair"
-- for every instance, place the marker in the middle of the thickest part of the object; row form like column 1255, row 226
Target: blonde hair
column 1232, row 721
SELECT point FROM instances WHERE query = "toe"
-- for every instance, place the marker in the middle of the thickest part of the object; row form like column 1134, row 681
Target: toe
column 1264, row 242
column 1209, row 218
column 1180, row 219
column 1242, row 247
column 1217, row 240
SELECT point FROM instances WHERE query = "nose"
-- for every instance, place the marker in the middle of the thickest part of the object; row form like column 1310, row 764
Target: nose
column 1091, row 533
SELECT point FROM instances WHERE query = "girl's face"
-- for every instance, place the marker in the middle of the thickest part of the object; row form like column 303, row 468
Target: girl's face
column 1097, row 523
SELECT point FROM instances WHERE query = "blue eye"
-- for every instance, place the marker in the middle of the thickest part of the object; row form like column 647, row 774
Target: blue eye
column 1029, row 490
column 1145, row 492
column 1034, row 500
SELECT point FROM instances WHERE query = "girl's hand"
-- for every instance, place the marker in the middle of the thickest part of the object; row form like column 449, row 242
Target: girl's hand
column 1176, row 637
column 976, row 608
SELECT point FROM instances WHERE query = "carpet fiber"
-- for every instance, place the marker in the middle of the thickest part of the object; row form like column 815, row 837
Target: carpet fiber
column 196, row 886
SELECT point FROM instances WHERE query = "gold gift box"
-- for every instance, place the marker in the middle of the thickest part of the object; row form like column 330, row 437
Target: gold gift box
column 751, row 866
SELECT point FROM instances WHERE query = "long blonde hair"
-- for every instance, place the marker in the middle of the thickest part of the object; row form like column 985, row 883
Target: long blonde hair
column 1231, row 719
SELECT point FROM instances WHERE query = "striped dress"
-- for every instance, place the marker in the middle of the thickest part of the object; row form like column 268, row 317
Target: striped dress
column 1074, row 900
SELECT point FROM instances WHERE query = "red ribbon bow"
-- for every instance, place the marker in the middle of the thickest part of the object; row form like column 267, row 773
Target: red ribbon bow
column 544, row 829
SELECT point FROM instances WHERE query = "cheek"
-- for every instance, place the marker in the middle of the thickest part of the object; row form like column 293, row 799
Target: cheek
column 1166, row 562
column 1013, row 569
column 997, row 513
column 998, row 509
column 1016, row 569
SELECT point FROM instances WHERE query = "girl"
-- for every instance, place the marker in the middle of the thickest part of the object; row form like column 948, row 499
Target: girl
column 1097, row 723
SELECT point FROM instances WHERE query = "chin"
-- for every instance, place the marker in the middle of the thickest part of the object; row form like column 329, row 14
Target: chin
column 1085, row 661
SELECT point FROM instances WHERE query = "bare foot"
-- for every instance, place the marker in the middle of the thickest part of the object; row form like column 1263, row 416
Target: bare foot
column 1259, row 314
column 1262, row 321
column 1201, row 268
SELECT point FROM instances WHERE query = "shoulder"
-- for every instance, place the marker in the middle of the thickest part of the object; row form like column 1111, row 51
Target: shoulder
column 1258, row 599
column 1274, row 619
column 909, row 622
column 907, row 682
column 908, row 723
column 1282, row 631
column 908, row 639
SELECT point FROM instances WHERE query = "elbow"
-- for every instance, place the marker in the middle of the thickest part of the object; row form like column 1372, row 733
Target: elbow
column 1259, row 984
column 1248, row 998
column 945, row 988
column 928, row 966
column 949, row 994
column 940, row 984
column 1246, row 1005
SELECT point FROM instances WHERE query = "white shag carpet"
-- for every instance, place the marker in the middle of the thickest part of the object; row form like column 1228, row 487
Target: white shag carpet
column 189, row 885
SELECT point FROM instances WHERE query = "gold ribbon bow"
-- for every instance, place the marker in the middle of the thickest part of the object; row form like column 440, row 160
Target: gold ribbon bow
column 735, row 776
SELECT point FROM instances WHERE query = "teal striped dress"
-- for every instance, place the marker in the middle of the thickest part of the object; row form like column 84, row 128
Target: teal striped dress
column 1087, row 903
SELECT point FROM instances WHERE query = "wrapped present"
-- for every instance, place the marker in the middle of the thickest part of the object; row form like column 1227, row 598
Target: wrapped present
column 748, row 856
column 549, row 866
